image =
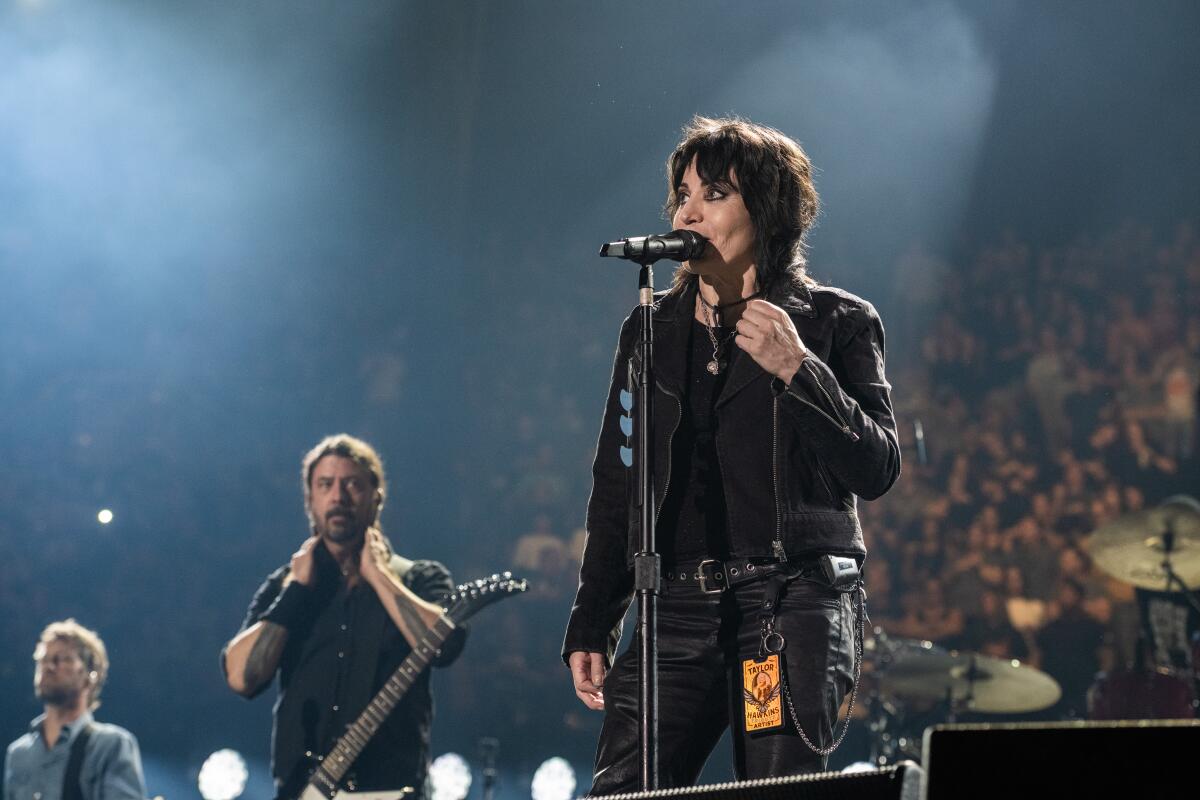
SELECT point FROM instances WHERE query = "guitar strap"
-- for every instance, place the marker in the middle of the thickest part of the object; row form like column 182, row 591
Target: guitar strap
column 72, row 789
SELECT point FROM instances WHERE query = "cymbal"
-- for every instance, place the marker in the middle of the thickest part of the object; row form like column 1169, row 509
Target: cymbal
column 1131, row 548
column 977, row 682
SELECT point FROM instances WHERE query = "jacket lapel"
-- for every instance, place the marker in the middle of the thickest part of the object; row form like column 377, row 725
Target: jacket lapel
column 672, row 319
column 744, row 372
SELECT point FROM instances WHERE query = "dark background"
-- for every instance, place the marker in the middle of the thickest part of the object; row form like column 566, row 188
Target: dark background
column 228, row 229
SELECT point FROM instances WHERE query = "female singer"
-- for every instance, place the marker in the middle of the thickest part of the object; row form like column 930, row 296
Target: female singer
column 771, row 415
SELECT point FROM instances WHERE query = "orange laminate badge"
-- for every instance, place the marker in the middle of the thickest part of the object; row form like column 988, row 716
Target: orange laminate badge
column 760, row 693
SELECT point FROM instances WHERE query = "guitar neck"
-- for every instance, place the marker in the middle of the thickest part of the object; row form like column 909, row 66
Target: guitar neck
column 352, row 742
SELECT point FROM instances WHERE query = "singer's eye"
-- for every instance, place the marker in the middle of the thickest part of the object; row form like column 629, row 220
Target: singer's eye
column 714, row 194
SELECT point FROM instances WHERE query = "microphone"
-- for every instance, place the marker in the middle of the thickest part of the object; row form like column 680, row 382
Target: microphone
column 680, row 245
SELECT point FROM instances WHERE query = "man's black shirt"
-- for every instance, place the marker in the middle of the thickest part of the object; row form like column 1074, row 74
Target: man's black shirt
column 334, row 663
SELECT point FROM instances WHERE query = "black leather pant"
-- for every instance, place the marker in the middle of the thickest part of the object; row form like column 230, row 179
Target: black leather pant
column 702, row 639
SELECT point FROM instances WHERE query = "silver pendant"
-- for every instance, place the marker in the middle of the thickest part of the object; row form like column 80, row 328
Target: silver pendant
column 714, row 367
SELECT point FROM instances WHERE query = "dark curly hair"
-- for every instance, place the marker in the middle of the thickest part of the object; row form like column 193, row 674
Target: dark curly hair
column 346, row 446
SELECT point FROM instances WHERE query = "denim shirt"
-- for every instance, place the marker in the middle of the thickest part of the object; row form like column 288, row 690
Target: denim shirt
column 111, row 769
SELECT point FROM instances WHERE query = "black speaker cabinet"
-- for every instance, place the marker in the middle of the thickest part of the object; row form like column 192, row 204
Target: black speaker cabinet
column 899, row 782
column 1134, row 759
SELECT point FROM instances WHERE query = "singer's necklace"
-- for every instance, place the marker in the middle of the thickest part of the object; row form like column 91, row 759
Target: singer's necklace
column 713, row 313
column 717, row 363
column 715, row 310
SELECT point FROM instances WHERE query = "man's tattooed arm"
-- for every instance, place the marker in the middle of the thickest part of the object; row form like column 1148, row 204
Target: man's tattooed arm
column 251, row 658
column 264, row 656
column 412, row 615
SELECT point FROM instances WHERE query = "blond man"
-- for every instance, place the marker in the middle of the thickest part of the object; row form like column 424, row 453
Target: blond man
column 67, row 754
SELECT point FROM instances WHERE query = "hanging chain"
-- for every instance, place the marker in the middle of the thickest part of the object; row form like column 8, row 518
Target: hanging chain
column 859, row 635
column 713, row 313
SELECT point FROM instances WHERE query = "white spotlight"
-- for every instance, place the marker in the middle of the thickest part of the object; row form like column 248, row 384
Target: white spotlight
column 223, row 776
column 105, row 516
column 554, row 780
column 451, row 777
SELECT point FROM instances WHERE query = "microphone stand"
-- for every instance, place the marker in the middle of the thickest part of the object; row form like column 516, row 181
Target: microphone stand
column 1173, row 579
column 647, row 564
column 1173, row 509
column 488, row 748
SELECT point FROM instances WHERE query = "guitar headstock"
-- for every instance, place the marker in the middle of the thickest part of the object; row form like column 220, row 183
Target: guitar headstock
column 470, row 597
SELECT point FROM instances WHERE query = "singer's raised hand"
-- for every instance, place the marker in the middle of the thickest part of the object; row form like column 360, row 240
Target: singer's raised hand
column 768, row 334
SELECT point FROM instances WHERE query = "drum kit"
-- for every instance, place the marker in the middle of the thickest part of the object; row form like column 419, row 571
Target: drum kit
column 912, row 683
column 1157, row 550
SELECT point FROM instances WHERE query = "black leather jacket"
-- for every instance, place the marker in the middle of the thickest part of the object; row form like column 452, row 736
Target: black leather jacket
column 792, row 457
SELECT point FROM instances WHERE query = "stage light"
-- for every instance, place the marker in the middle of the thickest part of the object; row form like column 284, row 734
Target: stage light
column 451, row 777
column 223, row 776
column 554, row 780
column 105, row 516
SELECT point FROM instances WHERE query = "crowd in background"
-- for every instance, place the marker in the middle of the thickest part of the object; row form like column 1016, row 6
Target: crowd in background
column 1057, row 391
column 1054, row 392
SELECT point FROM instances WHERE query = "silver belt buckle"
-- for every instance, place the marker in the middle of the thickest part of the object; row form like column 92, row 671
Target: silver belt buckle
column 717, row 576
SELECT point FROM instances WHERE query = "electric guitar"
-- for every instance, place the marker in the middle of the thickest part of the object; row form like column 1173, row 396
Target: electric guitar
column 325, row 781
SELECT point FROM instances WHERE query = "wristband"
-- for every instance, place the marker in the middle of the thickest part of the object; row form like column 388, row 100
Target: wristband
column 291, row 607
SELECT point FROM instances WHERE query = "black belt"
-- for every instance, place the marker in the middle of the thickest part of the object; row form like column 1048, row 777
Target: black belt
column 716, row 576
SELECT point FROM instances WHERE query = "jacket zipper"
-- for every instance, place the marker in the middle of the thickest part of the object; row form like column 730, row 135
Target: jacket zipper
column 837, row 423
column 777, row 545
column 670, row 441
